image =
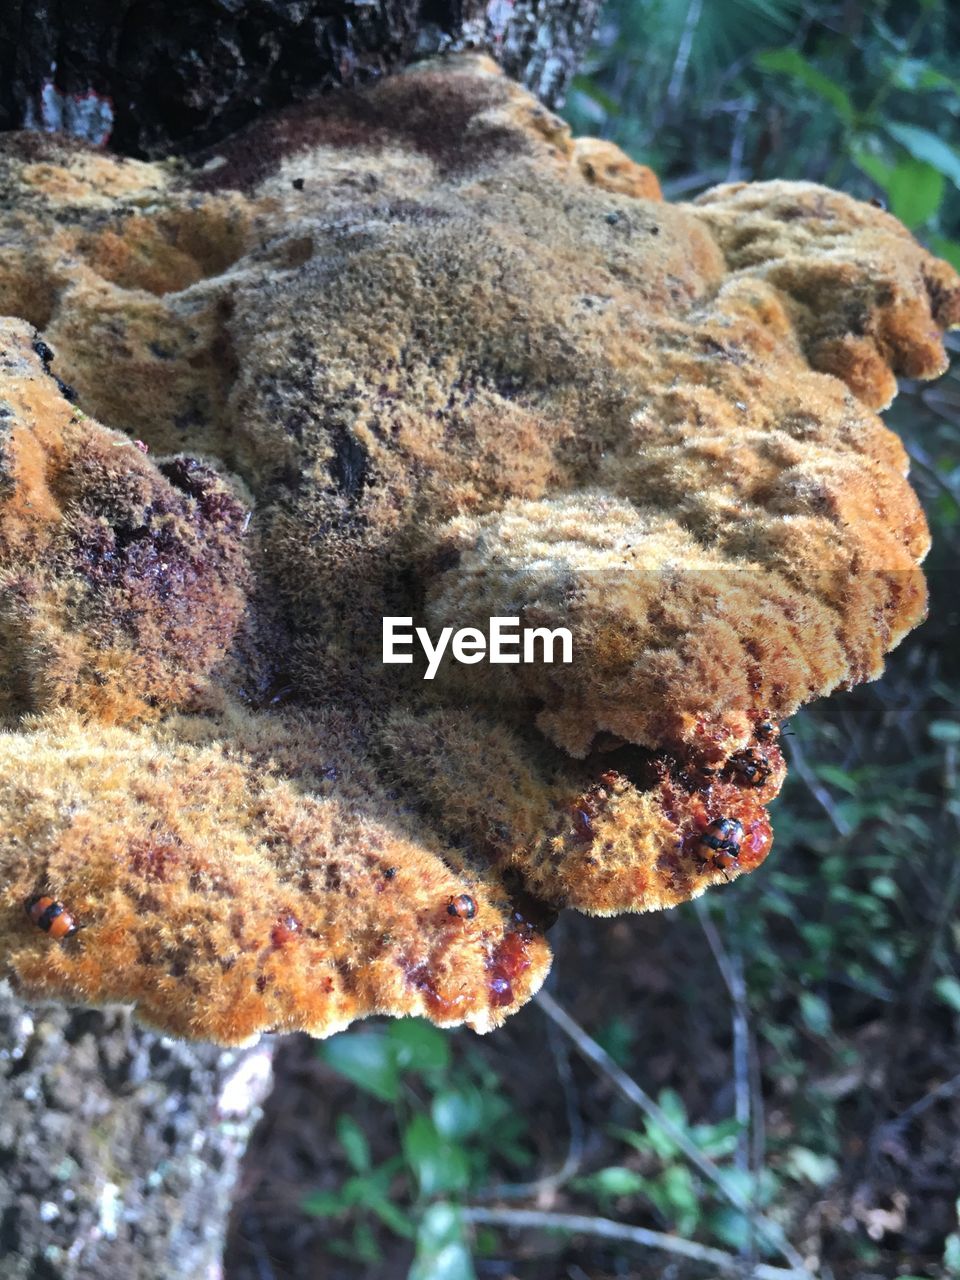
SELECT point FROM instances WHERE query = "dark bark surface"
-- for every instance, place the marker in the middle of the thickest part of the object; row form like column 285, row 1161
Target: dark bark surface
column 156, row 76
column 119, row 1148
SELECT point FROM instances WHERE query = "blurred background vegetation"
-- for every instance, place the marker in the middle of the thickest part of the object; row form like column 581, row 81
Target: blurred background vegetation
column 801, row 1030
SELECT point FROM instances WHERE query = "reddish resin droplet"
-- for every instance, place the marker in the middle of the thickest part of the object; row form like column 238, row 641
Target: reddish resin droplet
column 756, row 842
column 424, row 980
column 285, row 930
column 501, row 992
column 508, row 961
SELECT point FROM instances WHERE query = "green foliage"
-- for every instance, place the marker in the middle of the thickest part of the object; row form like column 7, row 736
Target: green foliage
column 442, row 1253
column 663, row 1180
column 447, row 1120
column 865, row 98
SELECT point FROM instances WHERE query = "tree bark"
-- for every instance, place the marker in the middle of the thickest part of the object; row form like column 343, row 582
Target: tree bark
column 119, row 1148
column 156, row 76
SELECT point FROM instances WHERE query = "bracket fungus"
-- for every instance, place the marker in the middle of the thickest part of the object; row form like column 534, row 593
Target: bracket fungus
column 413, row 351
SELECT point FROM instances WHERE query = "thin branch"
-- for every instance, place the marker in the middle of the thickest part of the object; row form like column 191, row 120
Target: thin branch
column 797, row 757
column 944, row 1090
column 607, row 1229
column 674, row 188
column 684, row 50
column 732, row 973
column 735, row 167
column 571, row 1165
column 758, row 1136
column 628, row 1088
column 745, row 1072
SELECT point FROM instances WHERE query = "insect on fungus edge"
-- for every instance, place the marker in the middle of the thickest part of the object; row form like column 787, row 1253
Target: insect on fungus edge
column 51, row 916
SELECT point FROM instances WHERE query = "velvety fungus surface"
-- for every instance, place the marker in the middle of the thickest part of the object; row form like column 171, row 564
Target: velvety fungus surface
column 415, row 351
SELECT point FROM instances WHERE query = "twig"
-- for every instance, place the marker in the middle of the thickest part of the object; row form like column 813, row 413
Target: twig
column 745, row 1072
column 684, row 49
column 571, row 1164
column 628, row 1088
column 607, row 1229
column 732, row 973
column 944, row 1090
column 796, row 756
column 735, row 167
column 758, row 1135
column 673, row 188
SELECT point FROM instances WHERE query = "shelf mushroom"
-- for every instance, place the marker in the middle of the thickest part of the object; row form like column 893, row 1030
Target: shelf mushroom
column 412, row 351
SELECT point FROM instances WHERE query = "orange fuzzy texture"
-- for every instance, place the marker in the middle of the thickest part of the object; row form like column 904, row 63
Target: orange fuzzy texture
column 415, row 351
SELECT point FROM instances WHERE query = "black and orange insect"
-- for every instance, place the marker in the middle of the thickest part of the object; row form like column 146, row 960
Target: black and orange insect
column 750, row 768
column 52, row 917
column 462, row 906
column 720, row 843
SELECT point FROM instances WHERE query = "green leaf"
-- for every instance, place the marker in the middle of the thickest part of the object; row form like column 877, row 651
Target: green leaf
column 613, row 1181
column 639, row 1141
column 617, row 1037
column 815, row 1013
column 945, row 730
column 915, row 190
column 914, row 74
column 874, row 166
column 949, row 249
column 948, row 989
column 418, row 1046
column 810, row 1166
column 884, row 887
column 367, row 1058
column 717, row 1140
column 586, row 85
column 393, row 1216
column 365, row 1247
column 323, row 1204
column 458, row 1113
column 790, row 62
column 838, row 778
column 731, row 1228
column 360, row 1189
column 680, row 1196
column 927, row 146
column 442, row 1252
column 438, row 1165
column 354, row 1143
column 671, row 1104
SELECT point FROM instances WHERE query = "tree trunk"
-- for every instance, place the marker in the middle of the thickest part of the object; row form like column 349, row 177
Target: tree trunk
column 119, row 1148
column 156, row 76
